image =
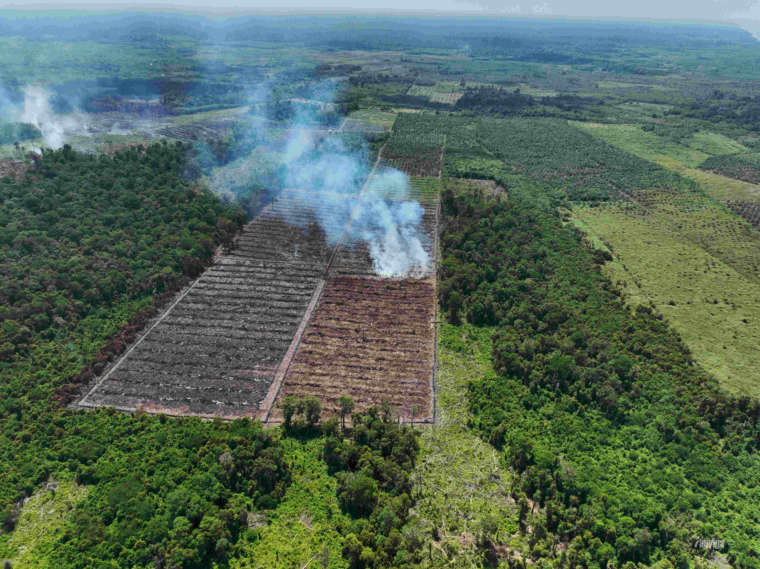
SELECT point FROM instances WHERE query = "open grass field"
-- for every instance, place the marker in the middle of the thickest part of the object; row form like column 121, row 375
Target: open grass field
column 685, row 157
column 382, row 118
column 369, row 120
column 463, row 482
column 714, row 306
column 744, row 167
column 710, row 225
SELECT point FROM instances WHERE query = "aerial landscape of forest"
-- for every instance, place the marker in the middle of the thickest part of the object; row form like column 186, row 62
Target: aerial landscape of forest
column 361, row 291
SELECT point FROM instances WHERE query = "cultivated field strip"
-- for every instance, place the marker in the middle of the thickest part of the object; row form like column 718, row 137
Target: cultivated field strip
column 216, row 350
column 371, row 339
column 749, row 211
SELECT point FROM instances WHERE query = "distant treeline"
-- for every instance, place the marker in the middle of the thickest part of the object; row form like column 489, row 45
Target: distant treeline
column 18, row 132
column 719, row 106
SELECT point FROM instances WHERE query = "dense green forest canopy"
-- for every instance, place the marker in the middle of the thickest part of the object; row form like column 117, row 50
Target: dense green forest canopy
column 81, row 232
column 613, row 429
column 622, row 451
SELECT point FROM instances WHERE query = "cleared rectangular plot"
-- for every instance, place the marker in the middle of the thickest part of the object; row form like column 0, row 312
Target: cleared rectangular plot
column 373, row 340
column 215, row 351
column 232, row 344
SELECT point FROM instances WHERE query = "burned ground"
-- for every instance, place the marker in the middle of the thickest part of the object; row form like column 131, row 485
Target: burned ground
column 215, row 351
column 246, row 334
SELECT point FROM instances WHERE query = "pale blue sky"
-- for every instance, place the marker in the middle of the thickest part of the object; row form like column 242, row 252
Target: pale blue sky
column 649, row 9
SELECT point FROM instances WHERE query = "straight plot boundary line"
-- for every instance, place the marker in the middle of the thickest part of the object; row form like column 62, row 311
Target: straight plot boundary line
column 83, row 402
column 436, row 260
column 267, row 404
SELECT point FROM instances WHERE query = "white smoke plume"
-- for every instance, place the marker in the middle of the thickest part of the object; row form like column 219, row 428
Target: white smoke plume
column 37, row 111
column 324, row 176
column 391, row 229
column 332, row 177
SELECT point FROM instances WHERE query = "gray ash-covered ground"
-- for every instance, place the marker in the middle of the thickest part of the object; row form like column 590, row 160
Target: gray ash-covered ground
column 216, row 351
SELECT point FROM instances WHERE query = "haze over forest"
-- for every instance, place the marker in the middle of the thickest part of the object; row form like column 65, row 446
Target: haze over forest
column 471, row 284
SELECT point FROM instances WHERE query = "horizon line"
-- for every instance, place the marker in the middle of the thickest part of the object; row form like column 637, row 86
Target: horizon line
column 229, row 12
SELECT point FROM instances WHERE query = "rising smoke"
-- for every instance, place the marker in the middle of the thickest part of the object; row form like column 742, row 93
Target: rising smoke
column 339, row 186
column 35, row 109
column 335, row 182
column 391, row 224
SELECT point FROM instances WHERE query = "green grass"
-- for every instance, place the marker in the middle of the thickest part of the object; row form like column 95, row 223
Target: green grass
column 714, row 143
column 745, row 167
column 461, row 481
column 40, row 525
column 679, row 158
column 658, row 258
column 643, row 144
column 618, row 85
column 426, row 188
column 303, row 529
column 723, row 188
column 375, row 116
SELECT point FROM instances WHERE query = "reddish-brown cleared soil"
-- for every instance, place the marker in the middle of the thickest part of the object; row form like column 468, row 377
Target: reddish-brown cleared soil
column 371, row 339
